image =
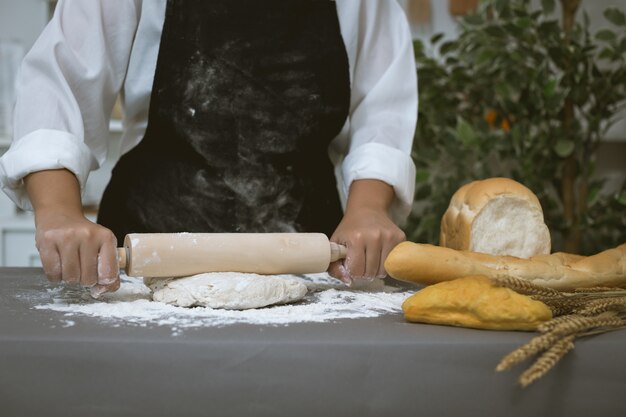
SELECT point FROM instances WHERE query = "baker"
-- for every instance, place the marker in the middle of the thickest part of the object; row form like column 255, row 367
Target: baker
column 239, row 116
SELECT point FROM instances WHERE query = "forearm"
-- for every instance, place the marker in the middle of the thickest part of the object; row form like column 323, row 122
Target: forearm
column 54, row 190
column 370, row 194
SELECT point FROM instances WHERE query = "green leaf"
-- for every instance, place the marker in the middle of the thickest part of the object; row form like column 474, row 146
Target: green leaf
column 594, row 196
column 474, row 19
column 615, row 16
column 524, row 22
column 622, row 198
column 495, row 31
column 547, row 6
column 550, row 87
column 606, row 53
column 421, row 175
column 501, row 6
column 564, row 148
column 465, row 132
column 503, row 90
column 606, row 35
column 486, row 56
column 447, row 47
column 549, row 28
column 436, row 38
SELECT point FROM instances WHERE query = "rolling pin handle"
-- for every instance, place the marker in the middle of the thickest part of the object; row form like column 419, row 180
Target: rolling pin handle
column 121, row 257
column 337, row 251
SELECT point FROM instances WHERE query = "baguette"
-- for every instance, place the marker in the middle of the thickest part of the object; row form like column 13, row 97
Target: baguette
column 428, row 264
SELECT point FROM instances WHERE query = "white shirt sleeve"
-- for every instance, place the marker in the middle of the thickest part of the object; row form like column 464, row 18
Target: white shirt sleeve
column 378, row 137
column 66, row 90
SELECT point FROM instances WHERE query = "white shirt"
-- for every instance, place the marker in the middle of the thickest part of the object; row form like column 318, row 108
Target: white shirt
column 93, row 50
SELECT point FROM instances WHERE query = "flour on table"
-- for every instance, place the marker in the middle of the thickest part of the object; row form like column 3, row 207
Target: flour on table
column 327, row 300
column 227, row 290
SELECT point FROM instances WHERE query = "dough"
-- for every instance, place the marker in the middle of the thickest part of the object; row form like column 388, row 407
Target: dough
column 227, row 290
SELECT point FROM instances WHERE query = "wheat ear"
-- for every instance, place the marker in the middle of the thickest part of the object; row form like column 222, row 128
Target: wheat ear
column 524, row 287
column 603, row 304
column 549, row 325
column 578, row 324
column 536, row 344
column 547, row 361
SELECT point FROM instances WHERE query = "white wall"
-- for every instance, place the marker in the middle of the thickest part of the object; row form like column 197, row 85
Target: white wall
column 22, row 20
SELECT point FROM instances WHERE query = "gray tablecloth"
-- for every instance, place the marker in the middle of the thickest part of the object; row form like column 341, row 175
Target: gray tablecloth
column 362, row 367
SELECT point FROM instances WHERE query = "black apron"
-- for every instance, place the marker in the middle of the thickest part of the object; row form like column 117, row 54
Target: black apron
column 247, row 96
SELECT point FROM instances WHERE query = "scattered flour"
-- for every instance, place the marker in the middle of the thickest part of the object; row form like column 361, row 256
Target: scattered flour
column 328, row 299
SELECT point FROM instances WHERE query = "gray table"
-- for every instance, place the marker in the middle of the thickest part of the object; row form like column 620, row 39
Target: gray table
column 363, row 367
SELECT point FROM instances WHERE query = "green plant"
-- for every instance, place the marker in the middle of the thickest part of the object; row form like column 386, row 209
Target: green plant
column 520, row 95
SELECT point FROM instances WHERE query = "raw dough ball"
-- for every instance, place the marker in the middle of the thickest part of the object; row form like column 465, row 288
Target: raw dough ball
column 227, row 290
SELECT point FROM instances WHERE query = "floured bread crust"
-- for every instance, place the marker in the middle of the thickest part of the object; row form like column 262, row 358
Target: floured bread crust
column 475, row 302
column 498, row 216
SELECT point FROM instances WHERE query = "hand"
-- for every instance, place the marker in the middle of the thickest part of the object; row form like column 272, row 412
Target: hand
column 72, row 248
column 367, row 232
column 76, row 251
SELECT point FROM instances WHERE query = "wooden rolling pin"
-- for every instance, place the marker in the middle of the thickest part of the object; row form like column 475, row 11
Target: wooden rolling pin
column 159, row 255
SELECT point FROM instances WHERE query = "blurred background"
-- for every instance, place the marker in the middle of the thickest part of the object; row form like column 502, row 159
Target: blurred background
column 532, row 90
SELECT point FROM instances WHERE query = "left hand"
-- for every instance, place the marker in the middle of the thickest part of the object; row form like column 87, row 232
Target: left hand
column 367, row 231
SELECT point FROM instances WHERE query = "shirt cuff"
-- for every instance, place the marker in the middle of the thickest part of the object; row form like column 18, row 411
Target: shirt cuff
column 385, row 163
column 41, row 150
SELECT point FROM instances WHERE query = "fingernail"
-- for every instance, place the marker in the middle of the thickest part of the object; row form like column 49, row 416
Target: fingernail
column 345, row 275
column 97, row 290
column 107, row 281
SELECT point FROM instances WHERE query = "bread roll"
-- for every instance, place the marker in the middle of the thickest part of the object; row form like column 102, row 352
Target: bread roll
column 428, row 264
column 497, row 216
column 475, row 302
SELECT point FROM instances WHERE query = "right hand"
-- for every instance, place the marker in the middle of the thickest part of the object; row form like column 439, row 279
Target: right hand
column 77, row 251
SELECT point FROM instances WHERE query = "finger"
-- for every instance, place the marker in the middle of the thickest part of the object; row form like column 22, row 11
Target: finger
column 88, row 264
column 108, row 269
column 339, row 271
column 97, row 290
column 372, row 258
column 51, row 262
column 382, row 272
column 355, row 260
column 388, row 246
column 70, row 263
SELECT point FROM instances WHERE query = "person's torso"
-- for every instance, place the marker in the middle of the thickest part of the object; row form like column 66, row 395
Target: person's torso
column 247, row 96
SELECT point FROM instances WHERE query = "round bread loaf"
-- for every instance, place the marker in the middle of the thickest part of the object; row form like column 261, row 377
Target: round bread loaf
column 497, row 216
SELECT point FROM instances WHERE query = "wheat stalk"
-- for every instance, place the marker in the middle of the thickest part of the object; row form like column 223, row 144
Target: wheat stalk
column 549, row 325
column 601, row 305
column 577, row 313
column 547, row 361
column 523, row 286
column 594, row 289
column 577, row 324
column 537, row 344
